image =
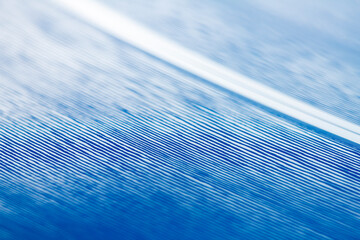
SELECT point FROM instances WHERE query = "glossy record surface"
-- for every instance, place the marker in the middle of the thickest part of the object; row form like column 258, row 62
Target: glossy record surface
column 99, row 140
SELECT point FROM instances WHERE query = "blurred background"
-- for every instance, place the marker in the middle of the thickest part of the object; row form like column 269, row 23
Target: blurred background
column 309, row 50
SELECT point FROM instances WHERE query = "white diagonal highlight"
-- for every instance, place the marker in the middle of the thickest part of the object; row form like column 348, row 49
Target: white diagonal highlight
column 139, row 36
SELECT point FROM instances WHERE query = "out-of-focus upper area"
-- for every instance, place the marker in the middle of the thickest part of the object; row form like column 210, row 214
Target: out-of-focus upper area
column 307, row 49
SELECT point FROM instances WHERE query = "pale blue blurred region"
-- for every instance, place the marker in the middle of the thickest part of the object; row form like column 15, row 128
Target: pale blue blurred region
column 307, row 49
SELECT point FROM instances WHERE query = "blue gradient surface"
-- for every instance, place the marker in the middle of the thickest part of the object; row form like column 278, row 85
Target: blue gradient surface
column 99, row 140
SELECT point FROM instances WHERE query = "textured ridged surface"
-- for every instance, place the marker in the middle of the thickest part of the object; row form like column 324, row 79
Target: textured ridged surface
column 101, row 141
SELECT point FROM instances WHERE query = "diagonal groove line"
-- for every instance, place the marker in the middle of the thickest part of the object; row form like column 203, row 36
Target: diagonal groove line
column 141, row 37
